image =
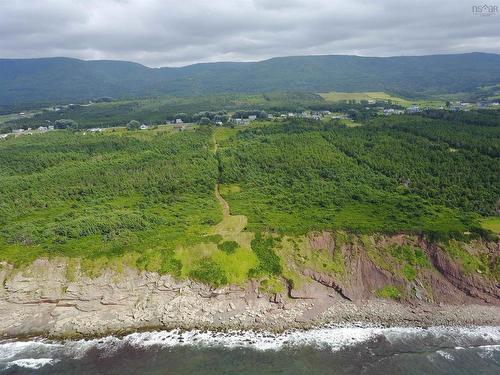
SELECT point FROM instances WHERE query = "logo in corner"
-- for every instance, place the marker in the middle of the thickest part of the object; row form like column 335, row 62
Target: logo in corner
column 485, row 10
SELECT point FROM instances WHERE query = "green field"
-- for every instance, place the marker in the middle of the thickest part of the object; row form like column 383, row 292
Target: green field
column 363, row 96
column 491, row 223
column 333, row 97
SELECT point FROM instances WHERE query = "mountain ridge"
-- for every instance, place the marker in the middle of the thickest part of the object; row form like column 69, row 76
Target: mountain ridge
column 57, row 79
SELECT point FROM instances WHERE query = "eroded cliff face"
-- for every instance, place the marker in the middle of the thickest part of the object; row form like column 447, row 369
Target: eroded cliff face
column 327, row 277
column 419, row 270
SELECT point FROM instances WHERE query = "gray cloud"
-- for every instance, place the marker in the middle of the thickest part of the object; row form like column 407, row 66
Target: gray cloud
column 173, row 32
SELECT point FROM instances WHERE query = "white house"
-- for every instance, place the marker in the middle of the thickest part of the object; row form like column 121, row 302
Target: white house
column 42, row 129
column 51, row 127
column 144, row 127
column 252, row 117
column 413, row 109
column 179, row 121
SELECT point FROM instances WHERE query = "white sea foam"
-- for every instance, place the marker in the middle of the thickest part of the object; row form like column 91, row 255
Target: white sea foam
column 32, row 363
column 10, row 349
column 333, row 338
column 445, row 355
column 487, row 351
column 457, row 336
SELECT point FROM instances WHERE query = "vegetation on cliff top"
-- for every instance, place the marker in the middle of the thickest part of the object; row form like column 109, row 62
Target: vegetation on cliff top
column 147, row 198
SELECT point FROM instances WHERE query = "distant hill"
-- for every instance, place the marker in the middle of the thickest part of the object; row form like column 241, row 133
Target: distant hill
column 65, row 79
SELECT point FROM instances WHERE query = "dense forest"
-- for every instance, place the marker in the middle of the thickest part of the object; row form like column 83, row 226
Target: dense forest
column 147, row 197
column 89, row 195
column 303, row 175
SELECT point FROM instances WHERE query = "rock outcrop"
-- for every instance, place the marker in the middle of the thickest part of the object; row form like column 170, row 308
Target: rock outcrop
column 42, row 299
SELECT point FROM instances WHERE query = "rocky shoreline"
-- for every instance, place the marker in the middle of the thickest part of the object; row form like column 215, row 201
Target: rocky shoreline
column 41, row 301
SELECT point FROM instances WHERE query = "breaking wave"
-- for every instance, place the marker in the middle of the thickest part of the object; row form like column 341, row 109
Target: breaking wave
column 37, row 353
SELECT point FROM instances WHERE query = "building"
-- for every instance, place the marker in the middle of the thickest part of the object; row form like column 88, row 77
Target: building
column 252, row 117
column 413, row 109
column 179, row 121
column 18, row 131
column 42, row 129
column 51, row 127
column 389, row 111
column 144, row 127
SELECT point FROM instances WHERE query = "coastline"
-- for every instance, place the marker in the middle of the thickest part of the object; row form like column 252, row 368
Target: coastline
column 37, row 303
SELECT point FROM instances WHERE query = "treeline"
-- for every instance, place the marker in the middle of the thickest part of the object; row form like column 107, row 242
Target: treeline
column 207, row 109
column 454, row 133
column 482, row 117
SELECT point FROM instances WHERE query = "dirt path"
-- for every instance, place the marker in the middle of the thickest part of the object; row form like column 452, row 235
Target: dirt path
column 222, row 201
column 216, row 145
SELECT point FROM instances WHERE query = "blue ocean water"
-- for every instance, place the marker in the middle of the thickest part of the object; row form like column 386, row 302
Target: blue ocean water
column 333, row 350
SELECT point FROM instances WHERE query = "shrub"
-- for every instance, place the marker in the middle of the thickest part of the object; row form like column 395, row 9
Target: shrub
column 209, row 272
column 269, row 262
column 229, row 247
column 389, row 291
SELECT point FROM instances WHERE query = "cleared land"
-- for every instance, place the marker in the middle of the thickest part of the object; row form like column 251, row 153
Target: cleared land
column 334, row 96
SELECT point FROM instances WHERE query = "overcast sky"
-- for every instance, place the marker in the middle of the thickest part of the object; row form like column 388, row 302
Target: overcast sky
column 180, row 32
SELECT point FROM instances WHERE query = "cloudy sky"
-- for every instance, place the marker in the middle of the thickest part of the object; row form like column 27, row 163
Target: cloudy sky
column 180, row 32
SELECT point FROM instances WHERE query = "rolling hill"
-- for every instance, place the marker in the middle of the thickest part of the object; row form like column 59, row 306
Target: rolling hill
column 65, row 79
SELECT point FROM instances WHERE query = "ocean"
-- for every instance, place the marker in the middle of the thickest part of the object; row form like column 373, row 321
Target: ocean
column 333, row 350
